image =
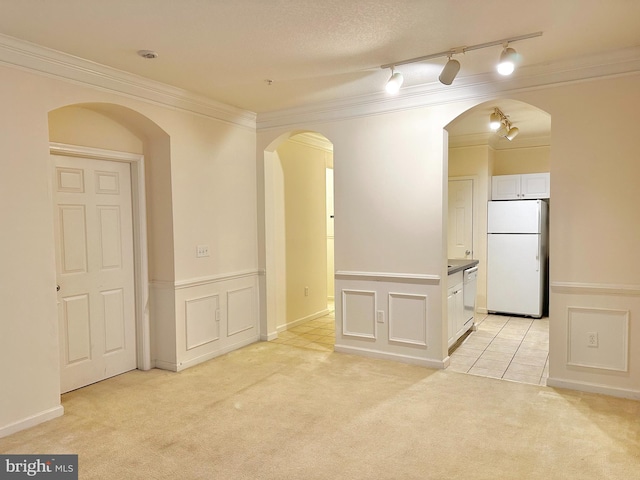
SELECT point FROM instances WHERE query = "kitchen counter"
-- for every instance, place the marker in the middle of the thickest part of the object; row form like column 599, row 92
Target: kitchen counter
column 457, row 265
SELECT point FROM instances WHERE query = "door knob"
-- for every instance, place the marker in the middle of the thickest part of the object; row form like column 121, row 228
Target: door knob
column 57, row 288
column 467, row 252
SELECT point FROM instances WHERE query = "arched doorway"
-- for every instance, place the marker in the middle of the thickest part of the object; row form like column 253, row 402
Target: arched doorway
column 504, row 346
column 299, row 239
column 100, row 197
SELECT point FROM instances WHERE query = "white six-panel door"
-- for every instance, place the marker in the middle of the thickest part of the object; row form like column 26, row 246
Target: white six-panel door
column 460, row 231
column 95, row 269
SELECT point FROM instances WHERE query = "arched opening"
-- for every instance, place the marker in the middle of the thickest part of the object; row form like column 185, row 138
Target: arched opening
column 109, row 164
column 508, row 344
column 299, row 240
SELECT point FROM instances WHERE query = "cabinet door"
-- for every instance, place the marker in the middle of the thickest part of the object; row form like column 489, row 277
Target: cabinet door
column 451, row 324
column 505, row 187
column 459, row 307
column 534, row 185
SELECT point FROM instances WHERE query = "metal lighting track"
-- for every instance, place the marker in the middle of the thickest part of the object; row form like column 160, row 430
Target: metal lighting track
column 458, row 50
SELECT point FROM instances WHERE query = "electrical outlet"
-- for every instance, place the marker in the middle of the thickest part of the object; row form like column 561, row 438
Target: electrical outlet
column 202, row 251
column 592, row 339
column 380, row 315
column 306, row 291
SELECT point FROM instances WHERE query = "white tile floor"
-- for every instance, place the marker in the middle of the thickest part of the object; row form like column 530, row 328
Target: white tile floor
column 512, row 348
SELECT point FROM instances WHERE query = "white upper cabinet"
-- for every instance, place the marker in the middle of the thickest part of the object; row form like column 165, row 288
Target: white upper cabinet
column 520, row 187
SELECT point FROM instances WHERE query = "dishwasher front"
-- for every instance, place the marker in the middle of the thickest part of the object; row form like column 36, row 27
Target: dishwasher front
column 470, row 279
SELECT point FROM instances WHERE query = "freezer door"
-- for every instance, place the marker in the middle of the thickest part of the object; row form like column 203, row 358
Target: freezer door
column 515, row 274
column 515, row 216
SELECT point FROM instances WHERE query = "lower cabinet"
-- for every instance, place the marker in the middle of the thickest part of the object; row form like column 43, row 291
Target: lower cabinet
column 455, row 308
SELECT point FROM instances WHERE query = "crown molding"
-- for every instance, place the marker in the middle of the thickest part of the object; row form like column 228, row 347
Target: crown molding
column 32, row 57
column 477, row 87
column 313, row 140
column 498, row 143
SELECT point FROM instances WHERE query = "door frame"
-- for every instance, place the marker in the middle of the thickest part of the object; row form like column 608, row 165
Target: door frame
column 140, row 254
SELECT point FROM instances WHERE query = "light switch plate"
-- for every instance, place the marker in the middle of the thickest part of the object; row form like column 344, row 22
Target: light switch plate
column 202, row 251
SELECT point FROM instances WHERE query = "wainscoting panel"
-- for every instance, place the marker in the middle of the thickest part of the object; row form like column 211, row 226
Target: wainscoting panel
column 359, row 313
column 598, row 338
column 594, row 338
column 408, row 318
column 202, row 319
column 211, row 316
column 241, row 310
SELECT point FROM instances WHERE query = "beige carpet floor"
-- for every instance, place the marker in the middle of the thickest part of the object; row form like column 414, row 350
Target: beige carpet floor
column 272, row 411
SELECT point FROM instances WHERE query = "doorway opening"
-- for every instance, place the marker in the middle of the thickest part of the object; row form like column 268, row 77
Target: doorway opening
column 300, row 241
column 502, row 345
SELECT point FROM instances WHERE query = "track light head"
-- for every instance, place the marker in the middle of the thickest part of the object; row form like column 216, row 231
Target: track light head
column 395, row 82
column 449, row 72
column 508, row 59
column 511, row 134
column 495, row 120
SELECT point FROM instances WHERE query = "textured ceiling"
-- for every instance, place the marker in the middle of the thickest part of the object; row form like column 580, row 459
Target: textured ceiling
column 312, row 50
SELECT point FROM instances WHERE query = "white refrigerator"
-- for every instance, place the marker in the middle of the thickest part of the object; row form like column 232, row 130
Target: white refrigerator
column 517, row 257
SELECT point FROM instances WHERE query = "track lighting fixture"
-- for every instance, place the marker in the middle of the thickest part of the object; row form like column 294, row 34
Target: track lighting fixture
column 500, row 123
column 395, row 81
column 495, row 120
column 449, row 71
column 511, row 134
column 508, row 60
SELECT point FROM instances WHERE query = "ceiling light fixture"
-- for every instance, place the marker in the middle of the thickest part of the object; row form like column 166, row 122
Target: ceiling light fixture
column 500, row 123
column 449, row 71
column 511, row 134
column 495, row 120
column 395, row 81
column 508, row 60
column 452, row 67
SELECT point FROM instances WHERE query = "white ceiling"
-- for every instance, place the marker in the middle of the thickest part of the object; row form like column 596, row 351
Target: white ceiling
column 313, row 50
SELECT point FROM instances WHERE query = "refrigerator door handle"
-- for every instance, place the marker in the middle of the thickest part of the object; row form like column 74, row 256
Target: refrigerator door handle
column 539, row 255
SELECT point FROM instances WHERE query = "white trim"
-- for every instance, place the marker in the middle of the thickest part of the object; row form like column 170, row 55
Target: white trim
column 313, row 316
column 173, row 367
column 209, row 279
column 593, row 388
column 53, row 63
column 388, row 276
column 32, row 421
column 49, row 62
column 397, row 357
column 624, row 367
column 425, row 298
column 221, row 277
column 594, row 288
column 312, row 140
column 141, row 262
column 345, row 319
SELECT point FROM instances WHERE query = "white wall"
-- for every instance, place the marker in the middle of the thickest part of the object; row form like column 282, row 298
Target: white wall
column 207, row 193
column 389, row 194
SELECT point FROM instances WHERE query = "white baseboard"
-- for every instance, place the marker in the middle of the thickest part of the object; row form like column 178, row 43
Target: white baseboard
column 173, row 367
column 32, row 421
column 269, row 336
column 593, row 388
column 365, row 352
column 209, row 356
column 308, row 318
